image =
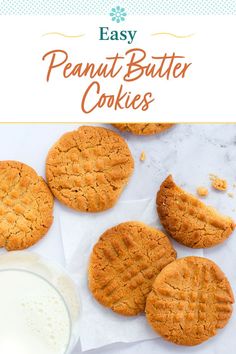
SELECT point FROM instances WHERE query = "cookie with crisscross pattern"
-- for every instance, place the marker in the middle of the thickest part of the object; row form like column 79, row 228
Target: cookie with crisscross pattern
column 188, row 220
column 143, row 128
column 26, row 206
column 124, row 264
column 190, row 300
column 87, row 169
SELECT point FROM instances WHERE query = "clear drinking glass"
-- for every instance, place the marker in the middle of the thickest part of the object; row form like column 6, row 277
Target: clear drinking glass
column 51, row 276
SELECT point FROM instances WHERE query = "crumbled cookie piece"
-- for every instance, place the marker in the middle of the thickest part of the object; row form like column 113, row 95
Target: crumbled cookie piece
column 202, row 191
column 218, row 183
column 188, row 220
column 142, row 156
column 230, row 194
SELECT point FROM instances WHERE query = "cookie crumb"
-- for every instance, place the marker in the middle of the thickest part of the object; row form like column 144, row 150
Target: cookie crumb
column 231, row 195
column 202, row 191
column 218, row 183
column 142, row 156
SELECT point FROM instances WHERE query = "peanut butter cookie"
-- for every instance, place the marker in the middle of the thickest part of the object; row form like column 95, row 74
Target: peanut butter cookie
column 88, row 168
column 190, row 300
column 26, row 206
column 188, row 220
column 143, row 128
column 124, row 264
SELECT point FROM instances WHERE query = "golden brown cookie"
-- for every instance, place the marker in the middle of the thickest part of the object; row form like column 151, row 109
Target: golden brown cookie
column 88, row 168
column 190, row 300
column 124, row 264
column 26, row 206
column 143, row 128
column 188, row 220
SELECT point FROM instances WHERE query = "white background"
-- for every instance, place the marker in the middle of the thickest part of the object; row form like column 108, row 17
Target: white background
column 207, row 93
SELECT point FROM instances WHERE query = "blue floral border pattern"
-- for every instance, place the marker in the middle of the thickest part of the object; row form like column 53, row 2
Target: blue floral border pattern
column 103, row 7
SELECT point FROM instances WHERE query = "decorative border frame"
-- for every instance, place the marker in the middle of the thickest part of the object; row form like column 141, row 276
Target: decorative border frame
column 103, row 7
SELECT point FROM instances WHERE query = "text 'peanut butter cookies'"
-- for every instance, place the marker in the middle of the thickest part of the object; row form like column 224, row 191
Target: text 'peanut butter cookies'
column 124, row 264
column 88, row 168
column 188, row 220
column 26, row 206
column 191, row 299
column 143, row 128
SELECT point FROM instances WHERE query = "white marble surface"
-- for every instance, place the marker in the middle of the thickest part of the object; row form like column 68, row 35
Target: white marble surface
column 190, row 153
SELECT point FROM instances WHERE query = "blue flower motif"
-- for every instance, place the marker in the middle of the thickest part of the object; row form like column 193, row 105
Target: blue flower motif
column 118, row 14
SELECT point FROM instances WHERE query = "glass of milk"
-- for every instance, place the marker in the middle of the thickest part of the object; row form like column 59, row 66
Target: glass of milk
column 39, row 306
